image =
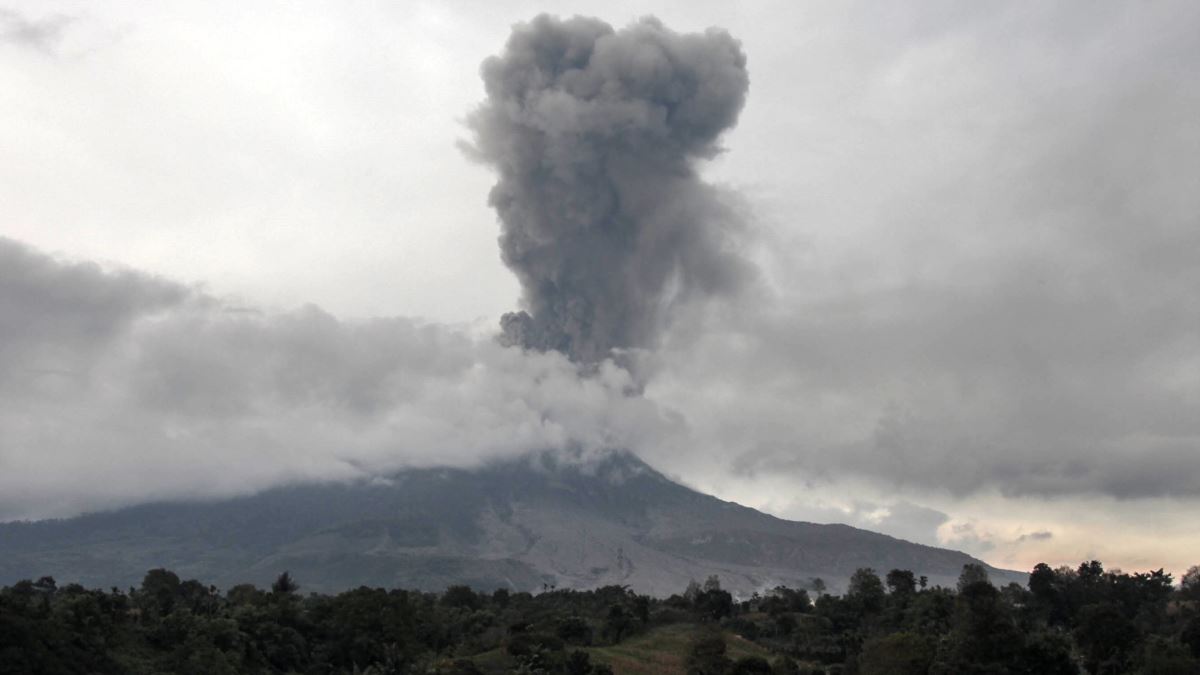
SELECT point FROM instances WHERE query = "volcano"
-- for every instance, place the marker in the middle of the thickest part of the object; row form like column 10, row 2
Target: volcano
column 525, row 524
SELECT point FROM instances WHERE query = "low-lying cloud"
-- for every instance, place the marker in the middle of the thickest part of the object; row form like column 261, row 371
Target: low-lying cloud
column 116, row 387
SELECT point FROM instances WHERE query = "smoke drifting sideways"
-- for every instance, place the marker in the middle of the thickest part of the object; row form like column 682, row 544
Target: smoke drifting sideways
column 596, row 134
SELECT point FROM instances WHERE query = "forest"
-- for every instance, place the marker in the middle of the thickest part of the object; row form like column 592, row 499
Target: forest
column 1065, row 621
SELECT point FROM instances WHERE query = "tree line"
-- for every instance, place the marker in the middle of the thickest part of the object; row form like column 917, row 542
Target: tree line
column 1064, row 621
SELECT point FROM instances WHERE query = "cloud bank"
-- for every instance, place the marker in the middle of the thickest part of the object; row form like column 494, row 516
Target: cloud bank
column 116, row 387
column 998, row 296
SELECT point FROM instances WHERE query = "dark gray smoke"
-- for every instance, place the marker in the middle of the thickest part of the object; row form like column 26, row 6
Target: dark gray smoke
column 595, row 134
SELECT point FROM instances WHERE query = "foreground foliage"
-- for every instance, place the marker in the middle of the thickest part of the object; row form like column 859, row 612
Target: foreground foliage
column 1066, row 621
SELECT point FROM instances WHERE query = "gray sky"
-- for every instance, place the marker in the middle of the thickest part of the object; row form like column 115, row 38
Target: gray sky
column 242, row 246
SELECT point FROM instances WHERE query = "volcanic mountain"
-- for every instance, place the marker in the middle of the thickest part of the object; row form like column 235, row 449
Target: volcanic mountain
column 522, row 524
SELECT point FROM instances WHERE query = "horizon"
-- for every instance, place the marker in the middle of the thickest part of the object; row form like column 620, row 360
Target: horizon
column 926, row 271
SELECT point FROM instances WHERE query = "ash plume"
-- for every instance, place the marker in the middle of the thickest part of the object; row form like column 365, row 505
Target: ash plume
column 595, row 134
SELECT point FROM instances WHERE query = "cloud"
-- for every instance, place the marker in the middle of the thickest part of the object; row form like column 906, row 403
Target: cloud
column 969, row 537
column 974, row 230
column 595, row 134
column 912, row 522
column 43, row 34
column 901, row 519
column 1044, row 535
column 49, row 307
column 1004, row 304
column 118, row 388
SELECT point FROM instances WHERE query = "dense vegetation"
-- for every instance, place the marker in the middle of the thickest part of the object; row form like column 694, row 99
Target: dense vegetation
column 1066, row 621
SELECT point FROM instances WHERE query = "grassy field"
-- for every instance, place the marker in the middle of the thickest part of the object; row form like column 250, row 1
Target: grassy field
column 663, row 649
column 659, row 651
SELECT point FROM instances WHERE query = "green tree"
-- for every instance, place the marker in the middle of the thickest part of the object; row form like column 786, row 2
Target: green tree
column 1190, row 635
column 243, row 594
column 896, row 654
column 641, row 609
column 930, row 612
column 617, row 623
column 574, row 630
column 972, row 573
column 159, row 590
column 1049, row 598
column 284, row 585
column 1106, row 637
column 901, row 583
column 1161, row 656
column 866, row 590
column 706, row 655
column 1189, row 584
column 983, row 637
column 461, row 597
column 1047, row 653
column 578, row 663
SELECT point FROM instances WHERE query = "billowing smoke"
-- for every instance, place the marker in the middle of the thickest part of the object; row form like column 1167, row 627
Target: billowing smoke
column 595, row 134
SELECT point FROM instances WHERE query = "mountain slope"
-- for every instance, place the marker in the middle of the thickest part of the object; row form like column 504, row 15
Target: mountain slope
column 519, row 524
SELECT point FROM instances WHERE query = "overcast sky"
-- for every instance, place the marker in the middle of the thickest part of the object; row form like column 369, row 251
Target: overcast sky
column 241, row 243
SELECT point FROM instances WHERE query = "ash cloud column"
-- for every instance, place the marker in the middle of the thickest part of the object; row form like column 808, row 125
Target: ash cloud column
column 595, row 134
